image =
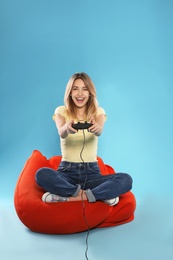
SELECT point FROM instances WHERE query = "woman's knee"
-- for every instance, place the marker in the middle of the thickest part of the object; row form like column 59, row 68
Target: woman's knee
column 41, row 174
column 128, row 180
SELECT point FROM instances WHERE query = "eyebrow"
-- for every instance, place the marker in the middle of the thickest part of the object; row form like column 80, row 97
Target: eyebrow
column 78, row 86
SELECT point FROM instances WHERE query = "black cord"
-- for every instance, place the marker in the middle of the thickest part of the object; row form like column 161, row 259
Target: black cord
column 83, row 146
column 83, row 204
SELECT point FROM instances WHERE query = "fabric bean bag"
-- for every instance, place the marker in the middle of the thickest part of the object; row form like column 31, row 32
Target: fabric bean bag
column 65, row 217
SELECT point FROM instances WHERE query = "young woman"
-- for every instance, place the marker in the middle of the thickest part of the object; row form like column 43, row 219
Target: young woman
column 78, row 176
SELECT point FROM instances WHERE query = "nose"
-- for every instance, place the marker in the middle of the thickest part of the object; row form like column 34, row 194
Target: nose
column 79, row 92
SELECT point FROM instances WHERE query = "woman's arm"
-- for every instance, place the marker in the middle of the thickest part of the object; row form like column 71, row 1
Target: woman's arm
column 64, row 128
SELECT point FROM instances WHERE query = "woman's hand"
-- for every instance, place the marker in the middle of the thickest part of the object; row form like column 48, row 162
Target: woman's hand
column 69, row 128
column 96, row 127
column 64, row 128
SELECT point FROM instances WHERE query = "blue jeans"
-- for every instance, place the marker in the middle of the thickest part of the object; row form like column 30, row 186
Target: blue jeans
column 71, row 177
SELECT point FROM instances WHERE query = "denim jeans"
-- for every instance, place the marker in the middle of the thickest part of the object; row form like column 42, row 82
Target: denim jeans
column 71, row 177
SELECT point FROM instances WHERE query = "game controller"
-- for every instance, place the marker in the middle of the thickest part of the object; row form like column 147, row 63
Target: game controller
column 80, row 126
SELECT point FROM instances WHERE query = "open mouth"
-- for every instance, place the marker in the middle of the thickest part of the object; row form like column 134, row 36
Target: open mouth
column 80, row 100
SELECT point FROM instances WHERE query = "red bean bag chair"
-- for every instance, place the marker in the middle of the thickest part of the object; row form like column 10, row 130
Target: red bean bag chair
column 65, row 217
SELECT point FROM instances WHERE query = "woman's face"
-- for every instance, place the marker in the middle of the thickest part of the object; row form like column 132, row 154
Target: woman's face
column 79, row 93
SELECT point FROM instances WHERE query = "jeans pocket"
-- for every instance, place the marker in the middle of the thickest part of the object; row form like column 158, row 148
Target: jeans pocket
column 63, row 168
column 94, row 169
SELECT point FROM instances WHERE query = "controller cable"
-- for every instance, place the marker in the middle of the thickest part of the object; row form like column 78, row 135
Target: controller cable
column 83, row 203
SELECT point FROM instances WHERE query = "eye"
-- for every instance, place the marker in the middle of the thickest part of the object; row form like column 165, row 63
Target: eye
column 74, row 88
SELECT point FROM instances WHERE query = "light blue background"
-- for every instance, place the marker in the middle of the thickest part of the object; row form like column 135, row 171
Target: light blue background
column 126, row 48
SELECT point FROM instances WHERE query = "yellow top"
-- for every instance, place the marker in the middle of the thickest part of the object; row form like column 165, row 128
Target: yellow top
column 81, row 146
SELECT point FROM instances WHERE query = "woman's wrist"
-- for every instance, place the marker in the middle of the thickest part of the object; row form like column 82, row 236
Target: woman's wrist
column 67, row 128
column 99, row 131
column 64, row 131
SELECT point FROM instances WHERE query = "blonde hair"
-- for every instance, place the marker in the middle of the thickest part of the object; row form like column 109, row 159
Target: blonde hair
column 92, row 104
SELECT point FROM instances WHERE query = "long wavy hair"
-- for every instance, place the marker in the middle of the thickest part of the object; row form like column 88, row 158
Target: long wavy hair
column 92, row 104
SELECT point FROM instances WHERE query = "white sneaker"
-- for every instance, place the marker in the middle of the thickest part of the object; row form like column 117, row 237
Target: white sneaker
column 51, row 198
column 112, row 202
